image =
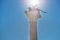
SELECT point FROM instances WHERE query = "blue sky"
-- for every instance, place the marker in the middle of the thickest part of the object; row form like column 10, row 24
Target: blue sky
column 15, row 26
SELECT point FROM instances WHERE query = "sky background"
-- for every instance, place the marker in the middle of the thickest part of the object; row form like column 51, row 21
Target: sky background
column 15, row 26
